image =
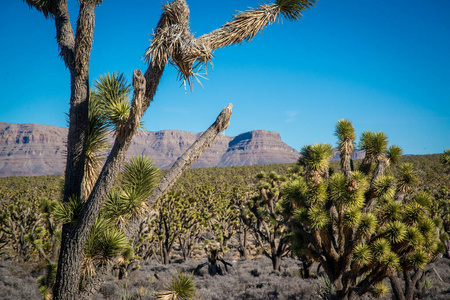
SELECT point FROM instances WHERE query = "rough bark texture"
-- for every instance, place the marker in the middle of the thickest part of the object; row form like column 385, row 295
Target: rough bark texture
column 76, row 54
column 74, row 240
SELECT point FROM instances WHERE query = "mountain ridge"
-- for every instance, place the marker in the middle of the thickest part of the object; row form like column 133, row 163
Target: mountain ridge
column 32, row 149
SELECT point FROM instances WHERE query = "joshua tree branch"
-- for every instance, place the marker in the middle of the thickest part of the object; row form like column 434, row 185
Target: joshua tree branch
column 64, row 34
column 183, row 163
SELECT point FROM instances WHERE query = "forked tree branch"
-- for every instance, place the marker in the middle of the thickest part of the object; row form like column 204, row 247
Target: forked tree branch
column 64, row 34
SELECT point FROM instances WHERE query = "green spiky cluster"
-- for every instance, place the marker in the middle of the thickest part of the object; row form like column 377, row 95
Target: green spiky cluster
column 114, row 92
column 374, row 143
column 345, row 131
column 181, row 288
column 445, row 158
column 316, row 156
column 68, row 212
column 371, row 220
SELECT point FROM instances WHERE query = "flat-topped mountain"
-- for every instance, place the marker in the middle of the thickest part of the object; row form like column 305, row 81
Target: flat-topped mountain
column 32, row 149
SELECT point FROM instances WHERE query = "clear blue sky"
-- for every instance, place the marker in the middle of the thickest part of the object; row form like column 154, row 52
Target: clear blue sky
column 385, row 65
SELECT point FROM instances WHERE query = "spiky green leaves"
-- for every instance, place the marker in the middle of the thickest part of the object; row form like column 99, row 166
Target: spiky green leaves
column 367, row 224
column 352, row 216
column 140, row 177
column 104, row 241
column 182, row 288
column 47, row 281
column 414, row 237
column 344, row 131
column 295, row 192
column 384, row 187
column 68, row 212
column 380, row 290
column 114, row 92
column 423, row 199
column 380, row 249
column 390, row 211
column 393, row 153
column 338, row 188
column 418, row 259
column 293, row 9
column 362, row 254
column 315, row 157
column 414, row 213
column 347, row 192
column 318, row 217
column 374, row 143
column 96, row 142
column 445, row 158
column 395, row 232
column 406, row 176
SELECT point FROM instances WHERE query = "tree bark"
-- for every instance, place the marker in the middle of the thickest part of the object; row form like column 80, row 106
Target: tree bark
column 76, row 55
column 166, row 253
column 74, row 236
column 396, row 288
column 276, row 263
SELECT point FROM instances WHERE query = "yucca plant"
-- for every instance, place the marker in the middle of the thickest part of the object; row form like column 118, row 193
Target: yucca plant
column 104, row 243
column 314, row 159
column 47, row 281
column 445, row 158
column 266, row 221
column 346, row 136
column 181, row 288
column 68, row 212
column 96, row 142
column 362, row 226
column 114, row 93
column 138, row 180
column 180, row 217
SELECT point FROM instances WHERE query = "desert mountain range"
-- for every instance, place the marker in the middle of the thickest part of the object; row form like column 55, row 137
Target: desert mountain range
column 33, row 150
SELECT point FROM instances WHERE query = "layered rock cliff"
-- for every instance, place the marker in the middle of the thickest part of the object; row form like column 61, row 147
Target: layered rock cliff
column 31, row 149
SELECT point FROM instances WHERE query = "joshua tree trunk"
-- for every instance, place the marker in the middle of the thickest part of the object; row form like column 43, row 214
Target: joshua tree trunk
column 307, row 264
column 165, row 255
column 276, row 263
column 242, row 248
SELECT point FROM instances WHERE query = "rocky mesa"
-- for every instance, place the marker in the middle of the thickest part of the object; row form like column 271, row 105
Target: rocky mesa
column 31, row 149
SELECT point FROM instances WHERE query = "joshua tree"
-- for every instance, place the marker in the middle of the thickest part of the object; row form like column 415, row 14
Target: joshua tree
column 177, row 214
column 172, row 41
column 361, row 227
column 268, row 223
column 445, row 159
column 214, row 251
